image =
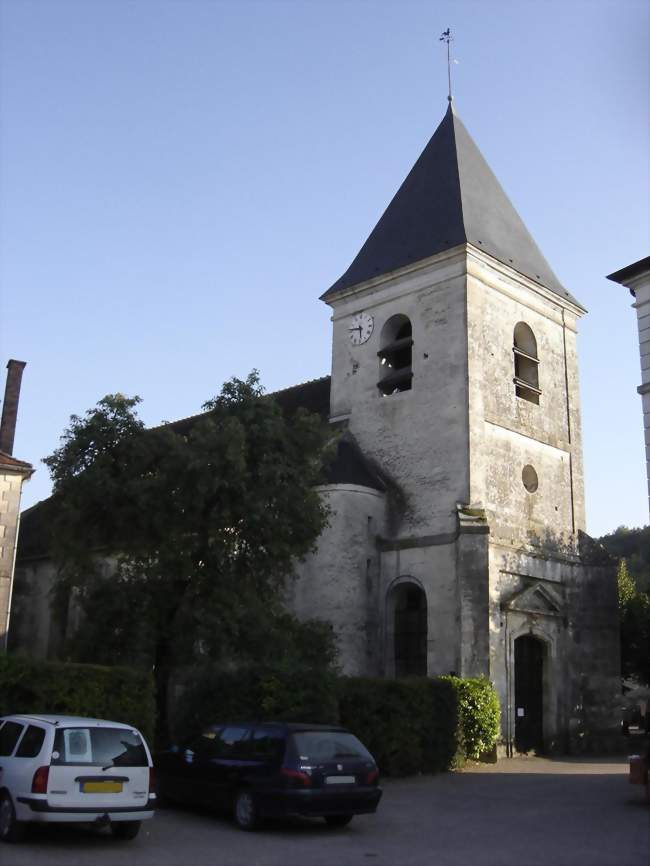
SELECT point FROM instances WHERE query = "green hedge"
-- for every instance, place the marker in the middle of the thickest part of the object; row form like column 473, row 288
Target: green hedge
column 420, row 724
column 211, row 695
column 118, row 694
column 410, row 725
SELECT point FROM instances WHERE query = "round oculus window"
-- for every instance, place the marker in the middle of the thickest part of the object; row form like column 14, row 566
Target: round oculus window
column 529, row 478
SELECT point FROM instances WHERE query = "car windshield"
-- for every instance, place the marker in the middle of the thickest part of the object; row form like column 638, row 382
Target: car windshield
column 105, row 747
column 328, row 746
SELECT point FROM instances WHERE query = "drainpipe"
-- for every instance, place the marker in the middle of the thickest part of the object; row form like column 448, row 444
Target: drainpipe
column 509, row 750
column 568, row 424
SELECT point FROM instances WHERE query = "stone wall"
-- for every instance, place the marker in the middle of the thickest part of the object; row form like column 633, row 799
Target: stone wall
column 508, row 432
column 34, row 630
column 418, row 437
column 339, row 581
column 10, row 491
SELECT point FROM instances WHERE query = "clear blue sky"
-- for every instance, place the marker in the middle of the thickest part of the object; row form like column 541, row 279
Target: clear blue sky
column 181, row 180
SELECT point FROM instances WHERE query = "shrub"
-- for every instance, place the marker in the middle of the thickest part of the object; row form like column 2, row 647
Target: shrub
column 479, row 715
column 421, row 724
column 118, row 694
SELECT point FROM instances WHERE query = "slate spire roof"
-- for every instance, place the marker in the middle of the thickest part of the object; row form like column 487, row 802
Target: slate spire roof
column 449, row 198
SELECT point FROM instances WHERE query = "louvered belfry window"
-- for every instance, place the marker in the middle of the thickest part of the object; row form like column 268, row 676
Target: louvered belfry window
column 526, row 379
column 396, row 356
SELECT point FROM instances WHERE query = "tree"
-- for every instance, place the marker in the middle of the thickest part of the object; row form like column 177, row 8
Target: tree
column 634, row 620
column 178, row 540
column 626, row 585
column 635, row 638
column 633, row 545
column 632, row 549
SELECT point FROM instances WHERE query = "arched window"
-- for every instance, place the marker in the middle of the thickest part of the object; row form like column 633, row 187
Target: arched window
column 410, row 631
column 395, row 356
column 526, row 364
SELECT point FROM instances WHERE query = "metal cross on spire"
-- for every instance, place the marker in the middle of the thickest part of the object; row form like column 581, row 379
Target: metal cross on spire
column 448, row 38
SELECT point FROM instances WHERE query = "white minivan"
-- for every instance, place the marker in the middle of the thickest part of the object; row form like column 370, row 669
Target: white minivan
column 71, row 769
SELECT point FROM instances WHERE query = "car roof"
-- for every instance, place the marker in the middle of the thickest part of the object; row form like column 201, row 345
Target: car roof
column 62, row 721
column 290, row 727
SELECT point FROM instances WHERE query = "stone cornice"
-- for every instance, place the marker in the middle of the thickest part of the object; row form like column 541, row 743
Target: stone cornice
column 423, row 270
column 349, row 488
column 509, row 282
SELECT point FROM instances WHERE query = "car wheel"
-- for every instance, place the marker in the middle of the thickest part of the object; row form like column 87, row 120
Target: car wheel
column 338, row 820
column 125, row 829
column 245, row 810
column 11, row 830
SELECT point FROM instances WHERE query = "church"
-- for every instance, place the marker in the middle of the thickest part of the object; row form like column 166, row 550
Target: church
column 456, row 541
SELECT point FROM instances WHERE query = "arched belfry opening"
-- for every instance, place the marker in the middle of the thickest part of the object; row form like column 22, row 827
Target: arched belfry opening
column 408, row 627
column 530, row 660
column 396, row 356
column 526, row 363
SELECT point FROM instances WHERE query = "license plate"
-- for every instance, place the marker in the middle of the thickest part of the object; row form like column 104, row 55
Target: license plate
column 340, row 780
column 101, row 787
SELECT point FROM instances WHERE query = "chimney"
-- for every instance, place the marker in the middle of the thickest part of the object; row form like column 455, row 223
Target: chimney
column 10, row 405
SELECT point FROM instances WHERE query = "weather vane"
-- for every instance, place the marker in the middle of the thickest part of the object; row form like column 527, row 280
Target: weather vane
column 448, row 38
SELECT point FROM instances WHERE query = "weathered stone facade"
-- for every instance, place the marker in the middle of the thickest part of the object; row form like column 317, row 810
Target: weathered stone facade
column 494, row 560
column 490, row 529
column 12, row 475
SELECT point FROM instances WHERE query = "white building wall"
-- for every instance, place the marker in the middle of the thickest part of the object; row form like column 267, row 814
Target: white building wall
column 642, row 306
column 636, row 278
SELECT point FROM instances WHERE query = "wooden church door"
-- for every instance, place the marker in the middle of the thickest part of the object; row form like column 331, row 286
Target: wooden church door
column 529, row 694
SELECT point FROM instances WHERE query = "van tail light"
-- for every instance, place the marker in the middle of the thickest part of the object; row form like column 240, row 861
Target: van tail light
column 152, row 781
column 39, row 782
column 295, row 778
column 372, row 776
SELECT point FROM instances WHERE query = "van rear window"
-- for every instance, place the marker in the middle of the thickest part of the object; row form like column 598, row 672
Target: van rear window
column 102, row 747
column 9, row 737
column 31, row 743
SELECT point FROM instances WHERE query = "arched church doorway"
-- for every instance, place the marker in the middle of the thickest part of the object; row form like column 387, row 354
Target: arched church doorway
column 529, row 694
column 410, row 630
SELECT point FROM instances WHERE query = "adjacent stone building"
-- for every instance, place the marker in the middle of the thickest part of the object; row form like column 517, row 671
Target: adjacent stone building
column 456, row 542
column 636, row 278
column 13, row 473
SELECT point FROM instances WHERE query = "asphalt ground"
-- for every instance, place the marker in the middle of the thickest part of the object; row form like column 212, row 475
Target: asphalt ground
column 519, row 812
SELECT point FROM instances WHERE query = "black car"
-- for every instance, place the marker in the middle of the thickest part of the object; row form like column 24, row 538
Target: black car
column 273, row 769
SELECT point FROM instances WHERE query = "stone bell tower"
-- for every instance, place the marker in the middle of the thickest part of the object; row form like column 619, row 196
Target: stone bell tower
column 454, row 372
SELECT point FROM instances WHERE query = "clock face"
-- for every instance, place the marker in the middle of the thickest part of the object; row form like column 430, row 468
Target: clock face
column 360, row 328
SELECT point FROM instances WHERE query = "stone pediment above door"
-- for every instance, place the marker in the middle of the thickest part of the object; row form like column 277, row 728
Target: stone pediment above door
column 538, row 599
